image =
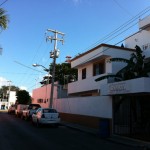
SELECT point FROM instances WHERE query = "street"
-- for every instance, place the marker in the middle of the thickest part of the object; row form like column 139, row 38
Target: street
column 17, row 134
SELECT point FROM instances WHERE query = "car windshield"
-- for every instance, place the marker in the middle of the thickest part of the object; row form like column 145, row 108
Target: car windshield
column 49, row 111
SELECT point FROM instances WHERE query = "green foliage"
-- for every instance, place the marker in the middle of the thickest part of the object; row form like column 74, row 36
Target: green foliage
column 3, row 19
column 23, row 97
column 63, row 73
column 136, row 67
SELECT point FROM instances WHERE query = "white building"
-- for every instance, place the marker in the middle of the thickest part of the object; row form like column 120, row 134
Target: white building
column 85, row 105
column 124, row 105
column 12, row 98
column 131, row 98
column 5, row 103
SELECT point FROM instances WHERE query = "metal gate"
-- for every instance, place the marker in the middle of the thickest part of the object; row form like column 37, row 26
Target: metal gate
column 131, row 116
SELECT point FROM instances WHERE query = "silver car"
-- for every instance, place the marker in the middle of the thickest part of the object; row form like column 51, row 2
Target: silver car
column 45, row 116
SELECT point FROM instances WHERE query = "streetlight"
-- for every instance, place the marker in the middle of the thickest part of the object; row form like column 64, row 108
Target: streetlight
column 37, row 65
column 45, row 69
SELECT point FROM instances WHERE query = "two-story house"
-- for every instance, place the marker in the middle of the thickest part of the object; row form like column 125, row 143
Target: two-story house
column 124, row 105
column 85, row 104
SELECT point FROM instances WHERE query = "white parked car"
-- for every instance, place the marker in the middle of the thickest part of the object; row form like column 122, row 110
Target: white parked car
column 46, row 116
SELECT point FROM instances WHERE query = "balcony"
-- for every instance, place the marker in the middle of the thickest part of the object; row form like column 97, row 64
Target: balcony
column 87, row 84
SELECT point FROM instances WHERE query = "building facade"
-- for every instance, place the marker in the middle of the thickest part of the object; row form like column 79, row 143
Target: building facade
column 6, row 102
column 124, row 105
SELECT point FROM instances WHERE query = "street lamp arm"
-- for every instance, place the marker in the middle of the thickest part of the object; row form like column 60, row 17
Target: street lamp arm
column 37, row 65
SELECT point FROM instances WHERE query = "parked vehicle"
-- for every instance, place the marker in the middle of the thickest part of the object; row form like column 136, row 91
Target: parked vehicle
column 11, row 109
column 19, row 109
column 28, row 112
column 46, row 116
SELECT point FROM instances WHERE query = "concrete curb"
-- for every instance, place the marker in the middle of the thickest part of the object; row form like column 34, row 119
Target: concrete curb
column 113, row 138
column 80, row 128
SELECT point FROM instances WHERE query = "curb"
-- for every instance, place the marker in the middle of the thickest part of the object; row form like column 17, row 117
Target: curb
column 80, row 128
column 115, row 138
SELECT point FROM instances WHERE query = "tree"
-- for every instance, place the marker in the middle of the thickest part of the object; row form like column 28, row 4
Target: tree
column 23, row 97
column 3, row 19
column 136, row 67
column 63, row 73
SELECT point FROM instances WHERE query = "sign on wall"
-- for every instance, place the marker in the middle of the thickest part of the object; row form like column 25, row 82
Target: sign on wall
column 118, row 88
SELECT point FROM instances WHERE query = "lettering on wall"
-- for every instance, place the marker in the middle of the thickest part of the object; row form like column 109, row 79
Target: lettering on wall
column 118, row 88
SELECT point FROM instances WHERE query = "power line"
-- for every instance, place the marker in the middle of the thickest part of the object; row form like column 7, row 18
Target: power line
column 123, row 8
column 3, row 2
column 16, row 73
column 114, row 44
column 143, row 12
column 27, row 66
column 115, row 33
column 27, row 77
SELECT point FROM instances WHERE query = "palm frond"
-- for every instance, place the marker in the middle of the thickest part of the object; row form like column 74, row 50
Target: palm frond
column 3, row 19
column 106, row 77
column 119, row 60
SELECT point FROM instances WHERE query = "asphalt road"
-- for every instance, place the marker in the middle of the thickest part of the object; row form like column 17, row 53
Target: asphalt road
column 17, row 134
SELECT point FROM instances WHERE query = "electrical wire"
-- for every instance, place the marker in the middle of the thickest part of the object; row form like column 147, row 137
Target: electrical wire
column 27, row 66
column 3, row 2
column 115, row 33
column 122, row 8
column 143, row 12
column 27, row 78
column 105, row 49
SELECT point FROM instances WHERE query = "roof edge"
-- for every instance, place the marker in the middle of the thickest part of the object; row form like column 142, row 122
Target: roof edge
column 102, row 45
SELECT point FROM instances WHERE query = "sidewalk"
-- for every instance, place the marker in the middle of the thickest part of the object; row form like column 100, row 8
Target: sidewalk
column 113, row 138
column 129, row 141
column 80, row 128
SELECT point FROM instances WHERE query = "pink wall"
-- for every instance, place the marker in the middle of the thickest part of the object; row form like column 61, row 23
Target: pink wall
column 43, row 93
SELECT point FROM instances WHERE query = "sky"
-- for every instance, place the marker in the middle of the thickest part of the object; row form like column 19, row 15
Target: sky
column 85, row 23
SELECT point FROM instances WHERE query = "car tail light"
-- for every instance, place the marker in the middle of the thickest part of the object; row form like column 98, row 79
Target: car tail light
column 43, row 116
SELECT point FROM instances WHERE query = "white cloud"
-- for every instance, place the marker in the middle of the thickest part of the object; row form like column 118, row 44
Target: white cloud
column 23, row 88
column 3, row 81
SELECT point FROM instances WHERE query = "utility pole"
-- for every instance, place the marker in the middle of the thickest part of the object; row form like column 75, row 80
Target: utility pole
column 54, row 54
column 9, row 94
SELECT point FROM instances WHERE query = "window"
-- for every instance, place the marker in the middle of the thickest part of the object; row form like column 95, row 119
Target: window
column 40, row 100
column 84, row 73
column 98, row 68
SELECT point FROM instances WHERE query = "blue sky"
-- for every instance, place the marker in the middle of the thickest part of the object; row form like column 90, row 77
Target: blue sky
column 84, row 22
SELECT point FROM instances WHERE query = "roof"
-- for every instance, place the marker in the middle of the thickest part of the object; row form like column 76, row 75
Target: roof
column 102, row 45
